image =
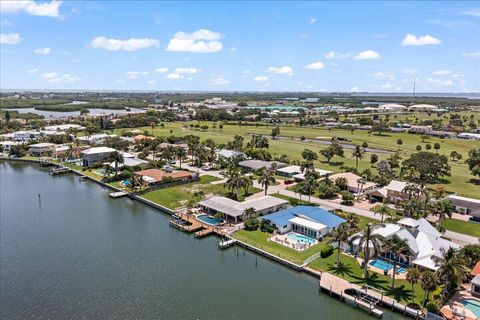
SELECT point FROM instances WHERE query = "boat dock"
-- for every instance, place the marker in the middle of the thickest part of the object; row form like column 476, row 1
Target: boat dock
column 226, row 243
column 366, row 298
column 59, row 170
column 185, row 223
column 118, row 194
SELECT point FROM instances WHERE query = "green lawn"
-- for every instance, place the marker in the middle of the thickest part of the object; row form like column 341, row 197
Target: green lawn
column 466, row 227
column 178, row 196
column 291, row 200
column 351, row 271
column 459, row 182
column 258, row 239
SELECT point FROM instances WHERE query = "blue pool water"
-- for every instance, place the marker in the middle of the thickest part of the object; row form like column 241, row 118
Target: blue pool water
column 210, row 220
column 126, row 182
column 385, row 265
column 301, row 238
column 472, row 305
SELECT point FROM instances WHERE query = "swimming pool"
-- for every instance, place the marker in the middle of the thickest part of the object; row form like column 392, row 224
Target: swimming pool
column 300, row 238
column 386, row 266
column 472, row 305
column 209, row 220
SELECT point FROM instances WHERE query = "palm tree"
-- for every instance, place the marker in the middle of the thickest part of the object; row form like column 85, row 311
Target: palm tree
column 234, row 180
column 117, row 158
column 398, row 248
column 339, row 236
column 307, row 167
column 383, row 210
column 352, row 222
column 451, row 271
column 247, row 182
column 266, row 178
column 310, row 184
column 442, row 209
column 181, row 154
column 412, row 207
column 413, row 276
column 357, row 154
column 428, row 282
column 249, row 213
column 368, row 239
column 411, row 189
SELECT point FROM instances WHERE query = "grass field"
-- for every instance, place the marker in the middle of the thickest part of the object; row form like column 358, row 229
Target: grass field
column 465, row 227
column 178, row 196
column 459, row 182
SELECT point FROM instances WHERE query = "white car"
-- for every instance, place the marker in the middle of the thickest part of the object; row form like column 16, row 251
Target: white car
column 206, row 168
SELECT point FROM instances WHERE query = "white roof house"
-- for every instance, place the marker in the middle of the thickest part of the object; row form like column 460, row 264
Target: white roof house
column 228, row 154
column 131, row 162
column 423, row 239
column 64, row 127
column 308, row 223
column 468, row 135
column 98, row 150
column 391, row 106
column 235, row 209
column 422, row 107
column 396, row 185
column 295, row 172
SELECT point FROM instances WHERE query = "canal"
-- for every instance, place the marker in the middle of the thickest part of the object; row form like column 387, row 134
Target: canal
column 68, row 251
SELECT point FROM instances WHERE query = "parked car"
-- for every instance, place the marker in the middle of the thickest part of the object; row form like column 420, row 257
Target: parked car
column 167, row 168
column 223, row 173
column 206, row 168
column 172, row 162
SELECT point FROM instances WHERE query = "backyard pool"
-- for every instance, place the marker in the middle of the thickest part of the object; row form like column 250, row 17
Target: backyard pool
column 209, row 220
column 472, row 305
column 300, row 238
column 385, row 265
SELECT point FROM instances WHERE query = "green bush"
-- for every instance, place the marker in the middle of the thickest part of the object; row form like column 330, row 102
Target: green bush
column 433, row 306
column 326, row 251
column 251, row 224
column 271, row 229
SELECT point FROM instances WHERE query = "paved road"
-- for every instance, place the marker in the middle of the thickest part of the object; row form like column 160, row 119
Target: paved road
column 330, row 205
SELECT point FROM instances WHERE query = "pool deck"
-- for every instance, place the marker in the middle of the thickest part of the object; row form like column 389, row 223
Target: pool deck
column 454, row 308
column 380, row 271
column 284, row 240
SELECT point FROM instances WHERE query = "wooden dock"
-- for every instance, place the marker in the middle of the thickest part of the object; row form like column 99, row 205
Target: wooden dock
column 59, row 170
column 118, row 194
column 185, row 223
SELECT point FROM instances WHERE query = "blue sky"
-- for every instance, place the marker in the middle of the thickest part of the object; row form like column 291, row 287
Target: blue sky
column 258, row 46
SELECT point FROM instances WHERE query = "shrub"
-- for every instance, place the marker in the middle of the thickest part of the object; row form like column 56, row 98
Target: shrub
column 271, row 229
column 433, row 306
column 252, row 224
column 326, row 251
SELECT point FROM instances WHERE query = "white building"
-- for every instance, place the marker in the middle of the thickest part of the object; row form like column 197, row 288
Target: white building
column 93, row 156
column 466, row 205
column 295, row 172
column 229, row 154
column 469, row 136
column 40, row 149
column 64, row 127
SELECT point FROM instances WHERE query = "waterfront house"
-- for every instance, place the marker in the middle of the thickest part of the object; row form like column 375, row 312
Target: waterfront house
column 93, row 156
column 64, row 127
column 424, row 242
column 130, row 162
column 26, row 135
column 95, row 138
column 259, row 164
column 156, row 176
column 475, row 286
column 312, row 221
column 354, row 182
column 234, row 210
column 7, row 145
column 466, row 205
column 42, row 149
column 295, row 172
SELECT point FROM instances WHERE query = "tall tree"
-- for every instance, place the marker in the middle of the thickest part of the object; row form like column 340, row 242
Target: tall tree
column 367, row 240
column 428, row 282
column 357, row 154
column 398, row 248
column 451, row 271
column 429, row 167
column 338, row 236
column 117, row 158
column 266, row 178
column 412, row 277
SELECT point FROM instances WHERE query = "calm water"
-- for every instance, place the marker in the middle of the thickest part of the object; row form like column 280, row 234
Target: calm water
column 65, row 114
column 79, row 254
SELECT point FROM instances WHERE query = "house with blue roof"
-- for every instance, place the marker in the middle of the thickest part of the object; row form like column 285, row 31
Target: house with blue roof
column 311, row 221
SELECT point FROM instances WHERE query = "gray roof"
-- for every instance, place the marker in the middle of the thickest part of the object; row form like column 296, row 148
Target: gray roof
column 258, row 164
column 234, row 208
column 476, row 280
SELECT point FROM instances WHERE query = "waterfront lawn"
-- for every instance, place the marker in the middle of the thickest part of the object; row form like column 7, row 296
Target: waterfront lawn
column 259, row 239
column 465, row 227
column 179, row 196
column 351, row 271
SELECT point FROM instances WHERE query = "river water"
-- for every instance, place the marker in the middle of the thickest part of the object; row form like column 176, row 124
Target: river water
column 75, row 253
column 66, row 114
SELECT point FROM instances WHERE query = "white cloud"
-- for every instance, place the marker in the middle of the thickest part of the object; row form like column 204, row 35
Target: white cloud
column 233, row 49
column 218, row 81
column 367, row 54
column 127, row 45
column 261, row 78
column 413, row 40
column 355, row 89
column 161, row 70
column 200, row 41
column 43, row 51
column 9, row 38
column 151, row 82
column 312, row 20
column 338, row 55
column 410, row 71
column 59, row 77
column 6, row 23
column 186, row 70
column 384, row 75
column 315, row 66
column 473, row 12
column 136, row 74
column 281, row 70
column 174, row 76
column 438, row 82
column 32, row 71
column 441, row 72
column 389, row 86
column 471, row 55
column 47, row 9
